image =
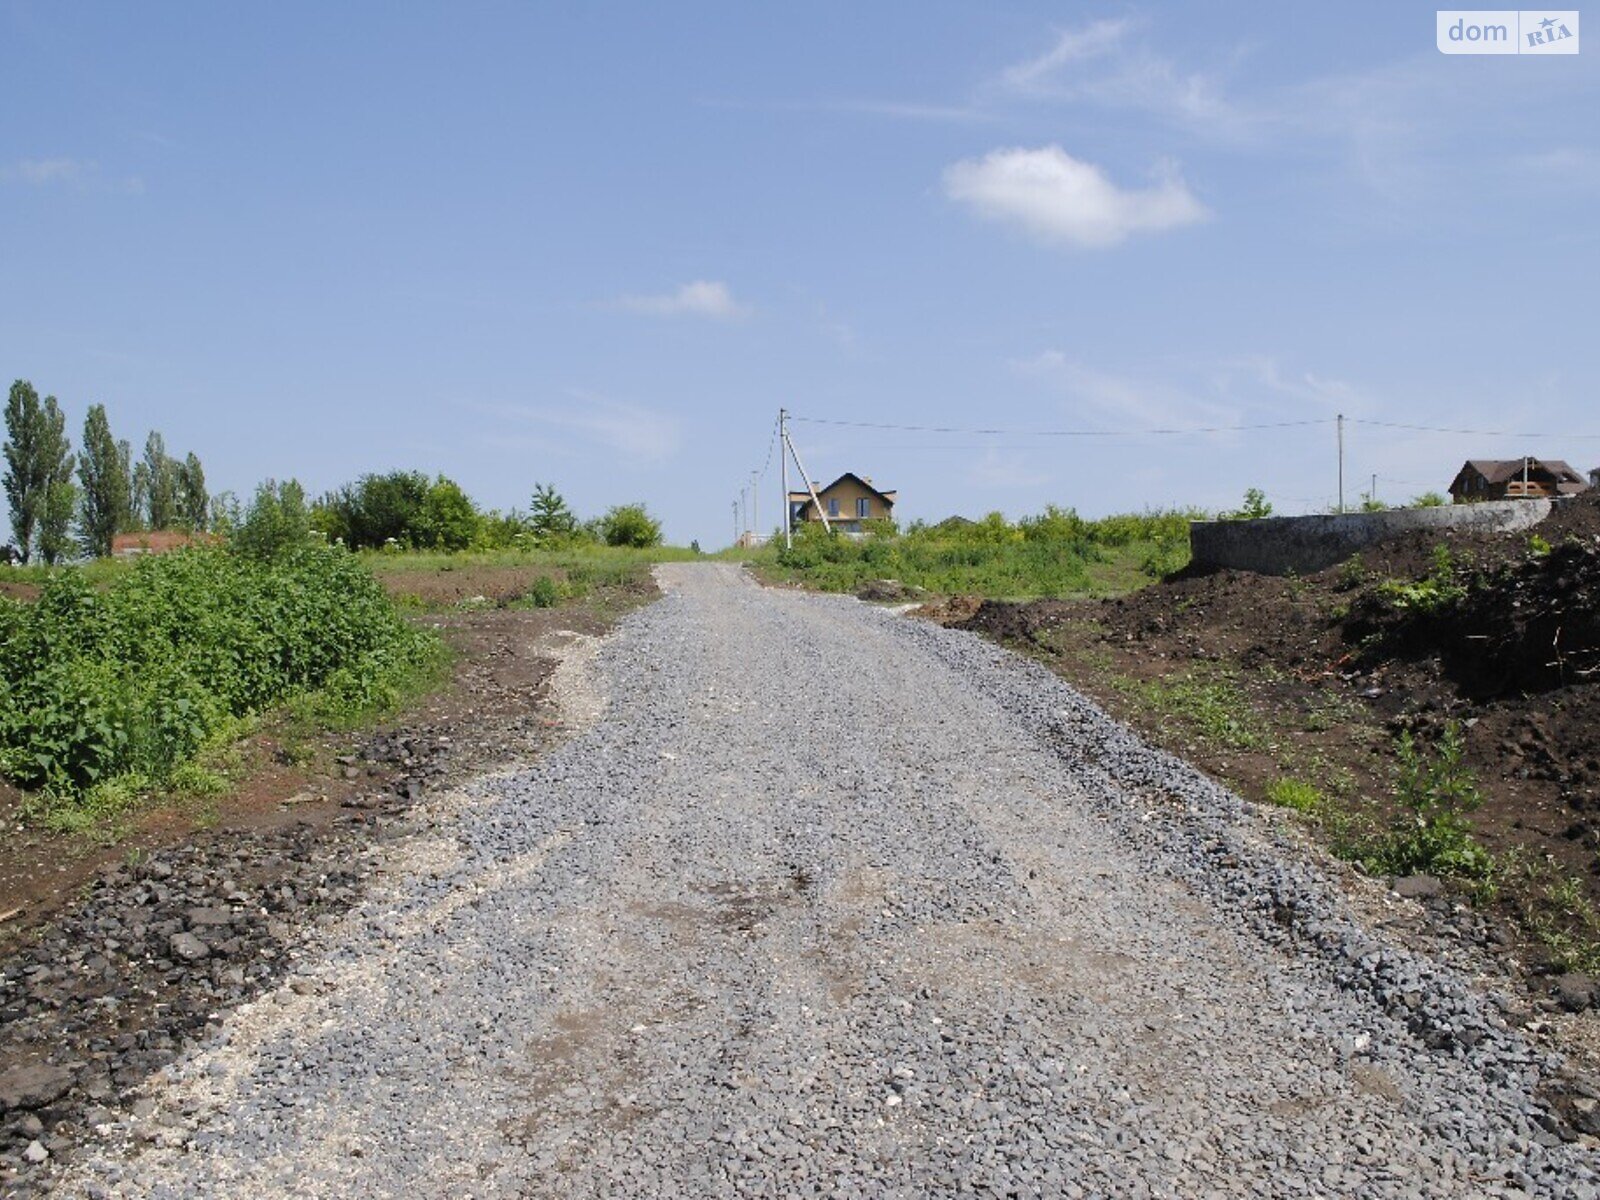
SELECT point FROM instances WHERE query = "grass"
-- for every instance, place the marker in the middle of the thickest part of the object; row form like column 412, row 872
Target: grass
column 1210, row 706
column 1056, row 554
column 526, row 578
column 1296, row 794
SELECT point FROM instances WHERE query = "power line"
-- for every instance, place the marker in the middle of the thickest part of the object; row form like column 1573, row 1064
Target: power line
column 1473, row 432
column 1060, row 432
column 1180, row 431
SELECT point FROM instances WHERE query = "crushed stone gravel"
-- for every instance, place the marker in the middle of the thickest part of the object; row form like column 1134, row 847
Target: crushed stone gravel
column 829, row 902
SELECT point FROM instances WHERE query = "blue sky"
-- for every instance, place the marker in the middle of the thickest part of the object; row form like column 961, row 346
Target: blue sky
column 600, row 245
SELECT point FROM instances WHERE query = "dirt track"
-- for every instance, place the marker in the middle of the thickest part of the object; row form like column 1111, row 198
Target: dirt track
column 829, row 902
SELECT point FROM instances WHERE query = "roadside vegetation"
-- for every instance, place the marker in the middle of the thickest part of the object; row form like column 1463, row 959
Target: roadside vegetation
column 132, row 678
column 1056, row 553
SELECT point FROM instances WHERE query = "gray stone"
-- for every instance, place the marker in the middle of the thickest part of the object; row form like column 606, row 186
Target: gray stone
column 188, row 947
column 33, row 1086
column 1417, row 887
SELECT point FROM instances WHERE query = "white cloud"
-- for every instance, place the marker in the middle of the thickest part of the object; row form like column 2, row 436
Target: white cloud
column 699, row 298
column 39, row 171
column 1102, row 64
column 631, row 431
column 68, row 172
column 1122, row 402
column 1062, row 199
column 997, row 470
column 1094, row 40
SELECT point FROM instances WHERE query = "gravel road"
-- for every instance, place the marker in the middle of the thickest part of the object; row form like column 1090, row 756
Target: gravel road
column 824, row 901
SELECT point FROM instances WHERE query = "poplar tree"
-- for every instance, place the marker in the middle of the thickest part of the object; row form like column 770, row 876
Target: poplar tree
column 103, row 474
column 60, row 499
column 193, row 501
column 156, row 480
column 25, row 478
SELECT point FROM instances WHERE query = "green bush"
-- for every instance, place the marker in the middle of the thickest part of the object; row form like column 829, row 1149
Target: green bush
column 1438, row 591
column 630, row 525
column 1432, row 836
column 135, row 677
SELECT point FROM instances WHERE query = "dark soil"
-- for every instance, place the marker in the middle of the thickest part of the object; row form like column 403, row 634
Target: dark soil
column 1332, row 670
column 114, row 956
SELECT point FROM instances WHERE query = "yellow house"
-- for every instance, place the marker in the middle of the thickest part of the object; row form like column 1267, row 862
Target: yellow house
column 847, row 501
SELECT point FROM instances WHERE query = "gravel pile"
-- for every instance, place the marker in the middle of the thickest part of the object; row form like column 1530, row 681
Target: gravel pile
column 833, row 903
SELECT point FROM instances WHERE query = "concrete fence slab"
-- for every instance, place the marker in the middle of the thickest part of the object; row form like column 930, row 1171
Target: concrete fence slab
column 1281, row 545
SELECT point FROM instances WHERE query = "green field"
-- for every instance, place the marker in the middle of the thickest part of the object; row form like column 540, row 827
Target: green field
column 1056, row 554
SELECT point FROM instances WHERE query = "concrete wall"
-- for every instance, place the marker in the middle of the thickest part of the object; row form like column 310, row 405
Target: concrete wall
column 1279, row 545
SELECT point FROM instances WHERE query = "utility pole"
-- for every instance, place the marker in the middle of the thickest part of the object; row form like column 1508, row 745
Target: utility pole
column 1373, row 494
column 755, row 503
column 735, row 522
column 806, row 479
column 783, row 462
column 1340, row 423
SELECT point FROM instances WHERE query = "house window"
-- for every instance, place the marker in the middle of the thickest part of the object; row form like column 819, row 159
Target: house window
column 861, row 507
column 833, row 507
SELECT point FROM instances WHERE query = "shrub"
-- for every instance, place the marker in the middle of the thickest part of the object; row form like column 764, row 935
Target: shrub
column 630, row 525
column 276, row 522
column 447, row 520
column 1436, row 791
column 1438, row 591
column 1256, row 505
column 133, row 679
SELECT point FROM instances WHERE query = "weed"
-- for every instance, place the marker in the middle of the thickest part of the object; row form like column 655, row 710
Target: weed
column 1215, row 708
column 1056, row 553
column 1435, row 790
column 1538, row 547
column 1440, row 589
column 1352, row 573
column 1296, row 794
column 544, row 592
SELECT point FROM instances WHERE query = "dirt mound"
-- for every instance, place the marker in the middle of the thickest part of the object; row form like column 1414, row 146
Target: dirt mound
column 1532, row 626
column 1013, row 620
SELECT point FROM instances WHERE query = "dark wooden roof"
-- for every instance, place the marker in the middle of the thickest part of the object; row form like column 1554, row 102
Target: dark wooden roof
column 1502, row 470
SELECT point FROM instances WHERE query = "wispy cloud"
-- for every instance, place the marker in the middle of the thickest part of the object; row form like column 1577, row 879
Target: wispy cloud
column 1094, row 40
column 68, row 172
column 1109, row 400
column 1311, row 395
column 699, row 298
column 1061, row 199
column 999, row 470
column 1108, row 63
column 632, row 431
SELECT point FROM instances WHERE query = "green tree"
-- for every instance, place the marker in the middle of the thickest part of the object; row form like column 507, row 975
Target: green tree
column 374, row 510
column 549, row 519
column 27, row 477
column 193, row 501
column 1256, row 505
column 130, row 521
column 276, row 520
column 60, row 498
column 1428, row 500
column 448, row 520
column 102, row 472
column 156, row 484
column 630, row 525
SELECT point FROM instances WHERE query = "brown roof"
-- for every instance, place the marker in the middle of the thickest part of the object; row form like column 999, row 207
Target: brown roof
column 1501, row 470
column 888, row 497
